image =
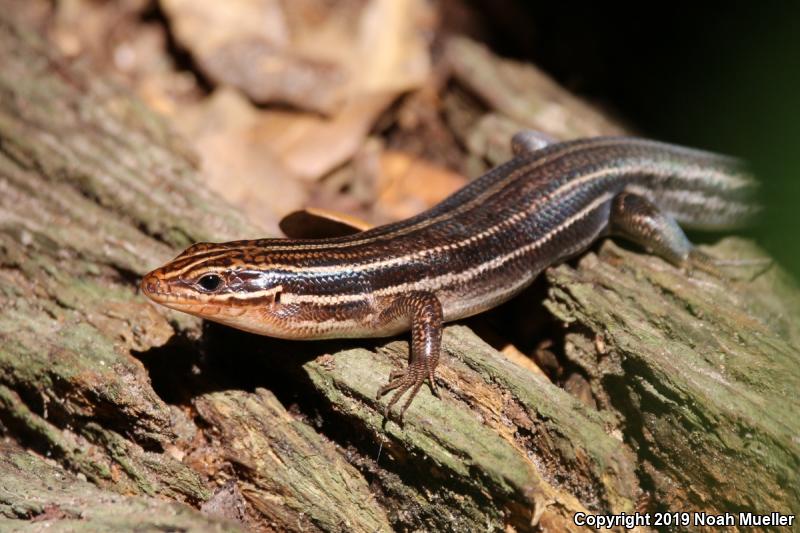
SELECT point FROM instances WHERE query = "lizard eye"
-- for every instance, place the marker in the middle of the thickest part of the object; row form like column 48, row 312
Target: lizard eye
column 209, row 282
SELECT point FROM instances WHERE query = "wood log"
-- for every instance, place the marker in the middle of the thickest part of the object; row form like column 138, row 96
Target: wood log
column 688, row 382
column 40, row 496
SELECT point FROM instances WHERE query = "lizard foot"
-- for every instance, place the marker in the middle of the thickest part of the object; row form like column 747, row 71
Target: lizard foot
column 701, row 261
column 408, row 380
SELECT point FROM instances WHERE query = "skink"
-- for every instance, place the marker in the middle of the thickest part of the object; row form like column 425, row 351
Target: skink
column 473, row 251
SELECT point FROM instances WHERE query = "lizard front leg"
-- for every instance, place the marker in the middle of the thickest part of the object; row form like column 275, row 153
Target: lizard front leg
column 424, row 311
column 529, row 141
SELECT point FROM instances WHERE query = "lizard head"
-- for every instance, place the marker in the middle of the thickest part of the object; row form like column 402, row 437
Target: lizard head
column 230, row 283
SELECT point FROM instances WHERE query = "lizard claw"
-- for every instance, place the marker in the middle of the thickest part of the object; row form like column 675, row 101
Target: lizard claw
column 711, row 265
column 402, row 381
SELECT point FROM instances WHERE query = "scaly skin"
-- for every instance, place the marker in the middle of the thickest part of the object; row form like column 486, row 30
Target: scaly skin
column 471, row 252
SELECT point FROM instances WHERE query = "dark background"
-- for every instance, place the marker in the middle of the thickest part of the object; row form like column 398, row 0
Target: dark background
column 724, row 77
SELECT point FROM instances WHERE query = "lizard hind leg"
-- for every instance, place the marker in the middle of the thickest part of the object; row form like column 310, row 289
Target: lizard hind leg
column 426, row 316
column 637, row 219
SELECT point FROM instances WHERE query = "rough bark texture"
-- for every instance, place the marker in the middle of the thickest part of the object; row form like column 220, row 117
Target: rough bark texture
column 39, row 496
column 689, row 381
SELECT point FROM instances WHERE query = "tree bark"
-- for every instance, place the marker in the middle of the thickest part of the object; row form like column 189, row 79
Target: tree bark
column 689, row 381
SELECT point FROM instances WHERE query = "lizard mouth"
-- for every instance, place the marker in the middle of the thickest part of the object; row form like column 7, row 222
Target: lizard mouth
column 154, row 287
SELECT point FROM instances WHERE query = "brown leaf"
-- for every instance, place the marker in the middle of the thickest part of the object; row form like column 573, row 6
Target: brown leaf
column 237, row 161
column 310, row 146
column 310, row 55
column 409, row 185
column 317, row 223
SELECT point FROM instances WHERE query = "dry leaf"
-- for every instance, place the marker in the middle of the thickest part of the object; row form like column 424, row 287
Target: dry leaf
column 235, row 160
column 318, row 223
column 409, row 185
column 309, row 145
column 312, row 55
column 514, row 354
